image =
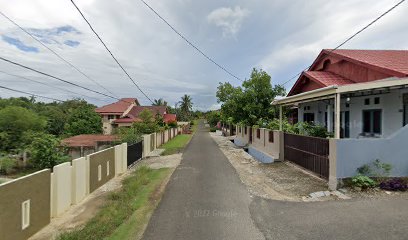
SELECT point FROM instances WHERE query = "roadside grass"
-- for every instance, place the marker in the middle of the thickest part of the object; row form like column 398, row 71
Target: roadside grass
column 126, row 211
column 176, row 144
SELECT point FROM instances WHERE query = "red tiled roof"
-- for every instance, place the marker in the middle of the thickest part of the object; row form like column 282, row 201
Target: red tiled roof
column 127, row 120
column 169, row 117
column 136, row 110
column 87, row 140
column 328, row 78
column 394, row 60
column 118, row 107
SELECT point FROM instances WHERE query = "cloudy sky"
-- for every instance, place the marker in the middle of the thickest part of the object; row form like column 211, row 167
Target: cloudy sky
column 280, row 36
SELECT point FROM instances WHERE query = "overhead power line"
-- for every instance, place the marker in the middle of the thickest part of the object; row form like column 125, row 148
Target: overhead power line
column 48, row 85
column 114, row 58
column 351, row 37
column 59, row 79
column 31, row 94
column 191, row 44
column 56, row 54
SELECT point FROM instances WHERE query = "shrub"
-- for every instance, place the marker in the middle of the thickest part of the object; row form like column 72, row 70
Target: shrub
column 376, row 169
column 363, row 182
column 172, row 124
column 394, row 184
column 213, row 129
column 7, row 164
column 46, row 152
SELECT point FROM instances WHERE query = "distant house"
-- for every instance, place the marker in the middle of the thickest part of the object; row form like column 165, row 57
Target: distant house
column 126, row 111
column 82, row 145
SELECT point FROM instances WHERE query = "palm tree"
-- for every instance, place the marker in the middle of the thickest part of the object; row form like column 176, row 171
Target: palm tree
column 159, row 102
column 186, row 105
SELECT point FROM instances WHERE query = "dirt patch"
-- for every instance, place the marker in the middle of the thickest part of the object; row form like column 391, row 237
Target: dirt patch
column 168, row 161
column 278, row 181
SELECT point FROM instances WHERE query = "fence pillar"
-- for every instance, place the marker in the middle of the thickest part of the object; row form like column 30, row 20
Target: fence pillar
column 332, row 164
column 118, row 160
column 281, row 140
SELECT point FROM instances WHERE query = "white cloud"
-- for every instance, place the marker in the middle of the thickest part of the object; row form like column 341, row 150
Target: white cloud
column 228, row 19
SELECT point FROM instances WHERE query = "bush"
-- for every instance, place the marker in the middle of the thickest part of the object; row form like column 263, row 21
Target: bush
column 213, row 129
column 376, row 169
column 172, row 124
column 394, row 184
column 363, row 182
column 7, row 164
column 46, row 152
column 192, row 123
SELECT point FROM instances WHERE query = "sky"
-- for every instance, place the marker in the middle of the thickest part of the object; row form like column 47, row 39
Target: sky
column 281, row 37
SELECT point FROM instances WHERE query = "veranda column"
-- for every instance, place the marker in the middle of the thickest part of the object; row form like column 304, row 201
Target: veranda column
column 329, row 118
column 337, row 117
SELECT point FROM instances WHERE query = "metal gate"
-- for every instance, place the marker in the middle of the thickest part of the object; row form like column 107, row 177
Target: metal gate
column 134, row 152
column 311, row 153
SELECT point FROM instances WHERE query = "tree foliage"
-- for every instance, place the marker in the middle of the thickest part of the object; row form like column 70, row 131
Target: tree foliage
column 148, row 124
column 14, row 121
column 83, row 120
column 45, row 151
column 213, row 118
column 251, row 101
column 159, row 102
column 186, row 105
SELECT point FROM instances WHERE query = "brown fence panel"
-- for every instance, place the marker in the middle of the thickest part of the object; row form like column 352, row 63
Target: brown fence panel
column 310, row 153
column 34, row 191
column 99, row 172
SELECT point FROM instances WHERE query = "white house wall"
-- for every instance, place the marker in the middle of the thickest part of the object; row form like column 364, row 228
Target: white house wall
column 390, row 103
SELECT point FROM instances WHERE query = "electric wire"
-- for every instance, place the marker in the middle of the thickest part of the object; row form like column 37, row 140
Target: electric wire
column 106, row 47
column 351, row 37
column 56, row 54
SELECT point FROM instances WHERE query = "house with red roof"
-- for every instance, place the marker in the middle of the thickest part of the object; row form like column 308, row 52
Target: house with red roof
column 126, row 111
column 361, row 96
column 353, row 93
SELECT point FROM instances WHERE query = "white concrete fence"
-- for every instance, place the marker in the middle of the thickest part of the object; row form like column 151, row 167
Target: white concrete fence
column 71, row 182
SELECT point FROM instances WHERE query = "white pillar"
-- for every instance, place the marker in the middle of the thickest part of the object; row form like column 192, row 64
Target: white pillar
column 337, row 117
column 329, row 118
column 280, row 118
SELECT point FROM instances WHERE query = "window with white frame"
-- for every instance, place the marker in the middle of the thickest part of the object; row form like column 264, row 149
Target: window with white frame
column 25, row 214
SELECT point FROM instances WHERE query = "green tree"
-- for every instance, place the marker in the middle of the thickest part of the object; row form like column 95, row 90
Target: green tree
column 213, row 118
column 148, row 124
column 159, row 102
column 14, row 121
column 83, row 120
column 186, row 105
column 46, row 152
column 251, row 101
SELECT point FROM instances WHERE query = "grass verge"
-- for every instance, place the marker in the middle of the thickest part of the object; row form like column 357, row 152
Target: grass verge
column 127, row 210
column 176, row 144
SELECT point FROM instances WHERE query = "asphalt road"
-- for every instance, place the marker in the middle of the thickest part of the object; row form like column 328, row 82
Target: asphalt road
column 206, row 200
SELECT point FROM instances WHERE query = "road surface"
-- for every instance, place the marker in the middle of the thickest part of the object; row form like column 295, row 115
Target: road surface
column 205, row 199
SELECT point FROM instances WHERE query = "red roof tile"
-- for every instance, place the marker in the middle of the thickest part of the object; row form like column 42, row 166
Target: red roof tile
column 169, row 117
column 136, row 110
column 394, row 60
column 327, row 78
column 87, row 140
column 127, row 120
column 118, row 107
